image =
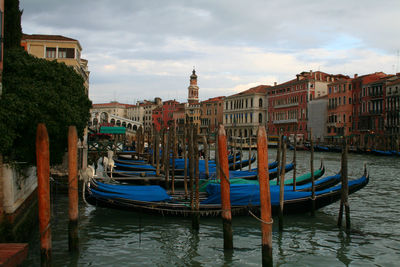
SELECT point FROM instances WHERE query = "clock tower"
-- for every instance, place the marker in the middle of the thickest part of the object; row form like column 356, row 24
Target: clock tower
column 193, row 89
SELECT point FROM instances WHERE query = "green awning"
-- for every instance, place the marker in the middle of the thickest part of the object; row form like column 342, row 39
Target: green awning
column 112, row 130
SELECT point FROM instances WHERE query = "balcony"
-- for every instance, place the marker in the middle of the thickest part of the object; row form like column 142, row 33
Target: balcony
column 287, row 105
column 285, row 121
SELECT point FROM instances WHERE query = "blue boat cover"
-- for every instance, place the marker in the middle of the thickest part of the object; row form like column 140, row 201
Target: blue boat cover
column 249, row 194
column 136, row 166
column 140, row 192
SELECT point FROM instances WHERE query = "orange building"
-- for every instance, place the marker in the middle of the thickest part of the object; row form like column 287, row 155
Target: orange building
column 211, row 114
column 340, row 108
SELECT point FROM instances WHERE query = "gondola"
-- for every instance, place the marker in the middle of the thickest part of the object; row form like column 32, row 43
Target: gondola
column 244, row 198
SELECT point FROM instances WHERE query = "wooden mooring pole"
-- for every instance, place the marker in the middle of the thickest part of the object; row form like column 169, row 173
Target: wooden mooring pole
column 174, row 155
column 43, row 175
column 241, row 152
column 265, row 197
column 191, row 166
column 250, row 153
column 225, row 189
column 294, row 162
column 312, row 175
column 205, row 146
column 73, row 240
column 344, row 201
column 185, row 156
column 157, row 151
column 195, row 215
column 281, row 175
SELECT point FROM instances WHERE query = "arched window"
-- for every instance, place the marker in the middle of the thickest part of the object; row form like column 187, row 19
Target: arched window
column 124, row 124
column 260, row 102
column 118, row 123
column 112, row 121
column 134, row 127
column 260, row 118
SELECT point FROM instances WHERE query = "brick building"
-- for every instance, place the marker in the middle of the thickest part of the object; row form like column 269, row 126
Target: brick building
column 211, row 114
column 287, row 102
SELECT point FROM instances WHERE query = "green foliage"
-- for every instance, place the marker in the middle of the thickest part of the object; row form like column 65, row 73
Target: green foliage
column 12, row 24
column 39, row 91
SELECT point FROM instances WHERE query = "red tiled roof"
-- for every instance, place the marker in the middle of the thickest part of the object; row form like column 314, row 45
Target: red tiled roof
column 254, row 90
column 47, row 37
column 214, row 99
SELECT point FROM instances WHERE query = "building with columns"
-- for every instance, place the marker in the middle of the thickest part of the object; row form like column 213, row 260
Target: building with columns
column 245, row 111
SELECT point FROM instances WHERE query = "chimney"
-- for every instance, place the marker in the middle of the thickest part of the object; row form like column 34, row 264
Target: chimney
column 355, row 75
column 275, row 83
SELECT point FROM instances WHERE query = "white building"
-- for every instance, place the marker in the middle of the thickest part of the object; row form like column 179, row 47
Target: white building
column 245, row 111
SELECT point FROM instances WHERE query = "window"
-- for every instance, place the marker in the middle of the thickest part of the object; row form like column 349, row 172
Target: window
column 260, row 103
column 260, row 118
column 62, row 52
column 50, row 52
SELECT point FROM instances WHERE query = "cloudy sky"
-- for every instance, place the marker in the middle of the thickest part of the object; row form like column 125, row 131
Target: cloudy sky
column 140, row 49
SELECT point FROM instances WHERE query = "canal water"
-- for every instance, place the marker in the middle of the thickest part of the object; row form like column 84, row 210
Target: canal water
column 120, row 238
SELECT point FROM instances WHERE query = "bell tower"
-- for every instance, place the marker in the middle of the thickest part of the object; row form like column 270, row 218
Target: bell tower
column 193, row 89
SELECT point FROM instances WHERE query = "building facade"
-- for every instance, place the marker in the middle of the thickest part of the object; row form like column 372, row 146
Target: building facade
column 340, row 109
column 245, row 111
column 392, row 99
column 163, row 116
column 211, row 114
column 60, row 48
column 149, row 106
column 287, row 102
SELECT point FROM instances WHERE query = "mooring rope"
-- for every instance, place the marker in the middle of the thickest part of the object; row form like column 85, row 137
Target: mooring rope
column 261, row 220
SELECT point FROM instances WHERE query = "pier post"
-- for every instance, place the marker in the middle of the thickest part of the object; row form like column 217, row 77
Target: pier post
column 195, row 215
column 174, row 155
column 43, row 174
column 278, row 158
column 216, row 154
column 250, row 153
column 344, row 201
column 205, row 145
column 153, row 136
column 294, row 162
column 234, row 153
column 157, row 151
column 281, row 177
column 265, row 197
column 225, row 189
column 185, row 156
column 191, row 166
column 167, row 156
column 312, row 175
column 241, row 152
column 73, row 239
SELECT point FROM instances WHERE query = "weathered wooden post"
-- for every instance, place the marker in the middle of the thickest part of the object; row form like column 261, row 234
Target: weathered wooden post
column 250, row 152
column 312, row 175
column 73, row 240
column 282, row 184
column 278, row 158
column 157, row 151
column 234, row 153
column 294, row 162
column 174, row 155
column 155, row 148
column 167, row 157
column 344, row 201
column 196, row 215
column 162, row 136
column 43, row 174
column 241, row 152
column 191, row 166
column 265, row 197
column 185, row 155
column 225, row 188
column 216, row 155
column 205, row 145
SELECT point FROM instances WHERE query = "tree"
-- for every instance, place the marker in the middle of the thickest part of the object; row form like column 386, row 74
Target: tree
column 39, row 91
column 12, row 24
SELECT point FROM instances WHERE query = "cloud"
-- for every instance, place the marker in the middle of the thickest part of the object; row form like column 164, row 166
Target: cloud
column 146, row 48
